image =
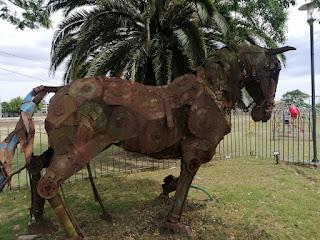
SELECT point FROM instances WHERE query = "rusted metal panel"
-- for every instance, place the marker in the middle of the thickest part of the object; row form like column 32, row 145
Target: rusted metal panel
column 86, row 90
column 204, row 118
column 61, row 107
column 123, row 123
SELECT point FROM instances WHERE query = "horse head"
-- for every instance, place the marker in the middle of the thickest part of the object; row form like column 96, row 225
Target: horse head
column 262, row 68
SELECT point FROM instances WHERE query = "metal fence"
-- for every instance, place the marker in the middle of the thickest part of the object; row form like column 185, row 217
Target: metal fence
column 292, row 138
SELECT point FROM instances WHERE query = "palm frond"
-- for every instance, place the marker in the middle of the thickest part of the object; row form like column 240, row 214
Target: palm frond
column 71, row 23
column 194, row 43
column 67, row 5
column 108, row 56
column 62, row 51
column 161, row 60
column 135, row 64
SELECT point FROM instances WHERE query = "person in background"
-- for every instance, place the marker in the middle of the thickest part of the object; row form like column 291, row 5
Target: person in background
column 294, row 112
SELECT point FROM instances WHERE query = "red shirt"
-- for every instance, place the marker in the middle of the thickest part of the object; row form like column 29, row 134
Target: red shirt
column 294, row 112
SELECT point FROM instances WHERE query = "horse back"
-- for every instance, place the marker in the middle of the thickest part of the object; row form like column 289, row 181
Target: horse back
column 140, row 116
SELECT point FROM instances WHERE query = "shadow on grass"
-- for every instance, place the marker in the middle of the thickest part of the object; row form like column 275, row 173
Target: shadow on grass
column 138, row 213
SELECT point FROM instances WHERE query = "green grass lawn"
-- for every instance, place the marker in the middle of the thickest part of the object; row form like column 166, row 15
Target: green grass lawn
column 255, row 200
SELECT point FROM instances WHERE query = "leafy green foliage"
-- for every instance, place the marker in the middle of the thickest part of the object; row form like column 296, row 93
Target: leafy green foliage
column 154, row 41
column 317, row 3
column 13, row 106
column 41, row 105
column 135, row 39
column 24, row 13
column 296, row 97
column 256, row 21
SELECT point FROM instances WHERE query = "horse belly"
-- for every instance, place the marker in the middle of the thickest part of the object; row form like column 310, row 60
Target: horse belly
column 154, row 137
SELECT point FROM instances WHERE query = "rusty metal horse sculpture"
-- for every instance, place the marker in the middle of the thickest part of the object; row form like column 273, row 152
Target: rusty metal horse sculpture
column 185, row 119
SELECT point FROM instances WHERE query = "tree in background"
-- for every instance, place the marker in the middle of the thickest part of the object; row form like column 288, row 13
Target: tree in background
column 13, row 106
column 41, row 106
column 296, row 97
column 4, row 107
column 317, row 3
column 25, row 13
column 256, row 21
column 153, row 41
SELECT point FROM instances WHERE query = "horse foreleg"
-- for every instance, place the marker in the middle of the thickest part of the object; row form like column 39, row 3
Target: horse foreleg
column 105, row 215
column 63, row 166
column 194, row 152
column 172, row 223
column 72, row 230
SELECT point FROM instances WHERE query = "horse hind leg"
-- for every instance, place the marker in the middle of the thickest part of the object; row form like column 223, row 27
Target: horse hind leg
column 104, row 215
column 169, row 185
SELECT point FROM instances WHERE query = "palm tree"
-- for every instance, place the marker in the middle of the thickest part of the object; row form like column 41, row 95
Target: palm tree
column 154, row 41
column 150, row 41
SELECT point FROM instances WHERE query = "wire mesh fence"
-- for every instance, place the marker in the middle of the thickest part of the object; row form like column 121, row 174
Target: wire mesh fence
column 292, row 138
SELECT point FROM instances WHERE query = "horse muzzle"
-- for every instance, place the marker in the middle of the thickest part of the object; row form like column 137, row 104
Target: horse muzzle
column 262, row 112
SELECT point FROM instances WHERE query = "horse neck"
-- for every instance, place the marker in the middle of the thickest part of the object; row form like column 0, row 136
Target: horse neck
column 227, row 76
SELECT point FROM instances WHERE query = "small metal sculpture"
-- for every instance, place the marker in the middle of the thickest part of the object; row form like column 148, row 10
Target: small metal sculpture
column 186, row 119
column 24, row 134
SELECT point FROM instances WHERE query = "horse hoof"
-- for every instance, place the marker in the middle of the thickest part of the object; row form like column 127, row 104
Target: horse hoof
column 106, row 217
column 176, row 228
column 42, row 227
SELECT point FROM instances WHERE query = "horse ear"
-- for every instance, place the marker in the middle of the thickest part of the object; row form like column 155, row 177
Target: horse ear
column 280, row 50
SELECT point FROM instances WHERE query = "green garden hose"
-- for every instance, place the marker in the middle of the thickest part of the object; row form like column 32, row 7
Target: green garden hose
column 202, row 190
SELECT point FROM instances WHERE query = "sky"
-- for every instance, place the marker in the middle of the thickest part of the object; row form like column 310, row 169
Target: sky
column 28, row 53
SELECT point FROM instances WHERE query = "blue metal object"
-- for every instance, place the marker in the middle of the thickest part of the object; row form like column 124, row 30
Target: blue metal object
column 11, row 145
column 28, row 105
